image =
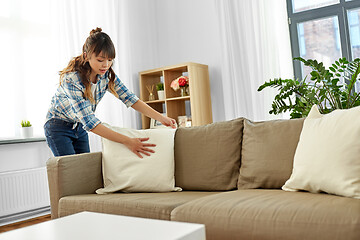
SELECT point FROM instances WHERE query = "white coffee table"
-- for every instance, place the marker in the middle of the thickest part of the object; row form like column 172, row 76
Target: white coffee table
column 99, row 226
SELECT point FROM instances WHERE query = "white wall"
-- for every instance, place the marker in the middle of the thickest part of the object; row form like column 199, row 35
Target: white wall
column 168, row 32
column 22, row 156
column 189, row 32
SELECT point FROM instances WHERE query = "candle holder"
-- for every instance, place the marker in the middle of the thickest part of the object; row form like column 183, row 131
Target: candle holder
column 150, row 88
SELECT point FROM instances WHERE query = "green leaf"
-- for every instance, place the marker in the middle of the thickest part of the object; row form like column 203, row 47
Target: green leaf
column 298, row 95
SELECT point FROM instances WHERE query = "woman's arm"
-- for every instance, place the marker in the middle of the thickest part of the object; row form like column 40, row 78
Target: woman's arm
column 136, row 145
column 145, row 109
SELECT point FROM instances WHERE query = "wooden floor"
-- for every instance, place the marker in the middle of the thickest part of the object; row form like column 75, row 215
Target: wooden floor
column 25, row 223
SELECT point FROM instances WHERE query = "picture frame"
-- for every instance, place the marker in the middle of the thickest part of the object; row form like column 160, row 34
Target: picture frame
column 152, row 123
column 182, row 121
column 155, row 124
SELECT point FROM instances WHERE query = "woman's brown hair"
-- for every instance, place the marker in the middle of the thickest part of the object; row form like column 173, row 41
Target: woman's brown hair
column 97, row 42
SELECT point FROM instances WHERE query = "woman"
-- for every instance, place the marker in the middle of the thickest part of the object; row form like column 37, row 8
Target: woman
column 82, row 85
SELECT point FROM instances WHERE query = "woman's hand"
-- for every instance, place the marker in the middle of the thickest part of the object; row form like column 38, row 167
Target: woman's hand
column 145, row 109
column 137, row 146
column 169, row 122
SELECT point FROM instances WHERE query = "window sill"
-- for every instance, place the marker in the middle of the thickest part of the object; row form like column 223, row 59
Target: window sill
column 4, row 141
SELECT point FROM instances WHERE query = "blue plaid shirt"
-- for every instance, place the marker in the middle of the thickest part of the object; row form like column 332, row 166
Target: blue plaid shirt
column 69, row 104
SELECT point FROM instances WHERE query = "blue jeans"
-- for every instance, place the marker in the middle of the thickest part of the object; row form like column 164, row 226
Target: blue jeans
column 65, row 138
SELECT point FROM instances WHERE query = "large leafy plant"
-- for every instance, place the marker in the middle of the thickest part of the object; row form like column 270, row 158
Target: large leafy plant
column 329, row 89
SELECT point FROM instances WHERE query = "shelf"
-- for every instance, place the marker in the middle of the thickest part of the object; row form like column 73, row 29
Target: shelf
column 169, row 99
column 4, row 141
column 178, row 98
column 155, row 101
column 197, row 104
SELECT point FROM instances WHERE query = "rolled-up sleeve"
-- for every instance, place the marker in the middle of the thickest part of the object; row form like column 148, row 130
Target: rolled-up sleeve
column 125, row 95
column 79, row 105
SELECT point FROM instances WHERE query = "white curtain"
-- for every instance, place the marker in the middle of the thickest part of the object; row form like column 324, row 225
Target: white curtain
column 27, row 65
column 39, row 37
column 73, row 20
column 255, row 48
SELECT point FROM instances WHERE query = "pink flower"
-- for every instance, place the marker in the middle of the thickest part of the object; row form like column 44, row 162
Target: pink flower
column 175, row 85
column 181, row 81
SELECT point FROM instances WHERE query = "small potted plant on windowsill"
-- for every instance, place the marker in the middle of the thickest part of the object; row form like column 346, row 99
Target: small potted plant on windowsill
column 160, row 90
column 26, row 129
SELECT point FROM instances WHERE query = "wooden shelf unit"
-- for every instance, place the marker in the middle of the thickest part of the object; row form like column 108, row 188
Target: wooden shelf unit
column 174, row 104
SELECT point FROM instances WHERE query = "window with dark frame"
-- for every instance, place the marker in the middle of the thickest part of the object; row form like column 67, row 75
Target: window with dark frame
column 324, row 30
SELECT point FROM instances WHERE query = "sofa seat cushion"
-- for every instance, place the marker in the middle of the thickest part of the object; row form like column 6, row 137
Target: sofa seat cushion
column 273, row 214
column 147, row 205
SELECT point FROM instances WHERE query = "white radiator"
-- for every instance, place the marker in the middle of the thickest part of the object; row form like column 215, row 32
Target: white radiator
column 22, row 191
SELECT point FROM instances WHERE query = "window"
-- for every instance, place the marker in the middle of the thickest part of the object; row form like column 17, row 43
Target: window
column 324, row 30
column 303, row 5
column 354, row 28
column 319, row 41
column 28, row 75
column 302, row 40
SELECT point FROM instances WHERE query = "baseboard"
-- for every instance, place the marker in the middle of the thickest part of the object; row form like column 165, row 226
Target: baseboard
column 18, row 217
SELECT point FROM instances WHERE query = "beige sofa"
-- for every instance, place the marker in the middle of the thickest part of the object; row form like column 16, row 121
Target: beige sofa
column 231, row 174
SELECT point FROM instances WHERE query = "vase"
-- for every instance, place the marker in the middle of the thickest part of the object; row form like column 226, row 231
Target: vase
column 151, row 97
column 161, row 95
column 184, row 91
column 27, row 132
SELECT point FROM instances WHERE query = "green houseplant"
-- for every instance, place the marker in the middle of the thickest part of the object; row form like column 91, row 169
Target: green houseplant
column 329, row 89
column 160, row 90
column 160, row 86
column 26, row 129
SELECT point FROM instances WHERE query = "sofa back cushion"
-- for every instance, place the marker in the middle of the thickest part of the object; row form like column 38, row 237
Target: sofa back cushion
column 208, row 157
column 124, row 171
column 268, row 151
column 327, row 157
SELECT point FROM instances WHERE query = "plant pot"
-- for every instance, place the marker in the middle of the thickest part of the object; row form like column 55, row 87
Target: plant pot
column 161, row 95
column 27, row 132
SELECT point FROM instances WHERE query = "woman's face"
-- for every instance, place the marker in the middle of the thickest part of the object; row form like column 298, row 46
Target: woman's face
column 99, row 64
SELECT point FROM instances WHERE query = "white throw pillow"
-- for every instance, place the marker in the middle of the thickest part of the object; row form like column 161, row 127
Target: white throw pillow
column 327, row 158
column 124, row 171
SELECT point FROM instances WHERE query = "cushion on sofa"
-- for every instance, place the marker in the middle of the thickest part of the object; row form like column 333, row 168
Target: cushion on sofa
column 147, row 205
column 268, row 150
column 208, row 157
column 124, row 171
column 327, row 158
column 273, row 214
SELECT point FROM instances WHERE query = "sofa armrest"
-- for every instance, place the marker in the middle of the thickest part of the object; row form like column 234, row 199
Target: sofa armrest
column 73, row 175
